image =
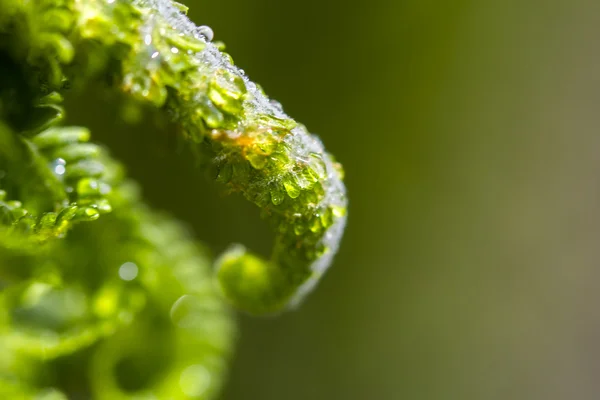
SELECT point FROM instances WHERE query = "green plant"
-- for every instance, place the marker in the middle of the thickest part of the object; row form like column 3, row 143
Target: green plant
column 126, row 306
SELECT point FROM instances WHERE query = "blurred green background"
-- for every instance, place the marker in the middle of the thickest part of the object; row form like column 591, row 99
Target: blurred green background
column 469, row 135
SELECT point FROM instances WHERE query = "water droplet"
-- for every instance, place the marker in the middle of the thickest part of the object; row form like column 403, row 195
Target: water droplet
column 174, row 50
column 154, row 55
column 148, row 40
column 258, row 161
column 227, row 91
column 88, row 214
column 144, row 87
column 103, row 206
column 214, row 120
column 206, row 32
column 58, row 167
column 66, row 215
column 302, row 180
column 228, row 58
column 291, row 188
column 211, row 114
column 310, row 176
column 277, row 196
column 128, row 271
column 317, row 165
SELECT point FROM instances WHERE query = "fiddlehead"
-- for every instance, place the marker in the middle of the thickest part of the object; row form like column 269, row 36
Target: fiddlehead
column 130, row 264
column 257, row 149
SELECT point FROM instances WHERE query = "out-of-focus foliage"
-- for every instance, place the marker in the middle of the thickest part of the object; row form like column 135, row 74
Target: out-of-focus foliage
column 99, row 296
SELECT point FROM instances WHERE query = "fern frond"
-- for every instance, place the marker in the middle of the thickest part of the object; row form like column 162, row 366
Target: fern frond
column 99, row 290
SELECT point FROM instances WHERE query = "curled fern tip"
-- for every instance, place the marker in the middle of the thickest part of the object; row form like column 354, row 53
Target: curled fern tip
column 90, row 273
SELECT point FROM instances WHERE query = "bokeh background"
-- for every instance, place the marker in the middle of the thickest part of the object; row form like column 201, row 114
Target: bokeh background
column 469, row 132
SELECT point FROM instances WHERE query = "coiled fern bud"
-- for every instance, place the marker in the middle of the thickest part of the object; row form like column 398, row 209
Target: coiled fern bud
column 89, row 274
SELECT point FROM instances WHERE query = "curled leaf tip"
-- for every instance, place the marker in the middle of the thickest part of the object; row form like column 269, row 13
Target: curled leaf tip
column 75, row 235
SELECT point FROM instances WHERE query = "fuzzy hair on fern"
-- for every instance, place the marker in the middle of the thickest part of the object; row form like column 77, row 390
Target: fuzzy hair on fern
column 89, row 275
